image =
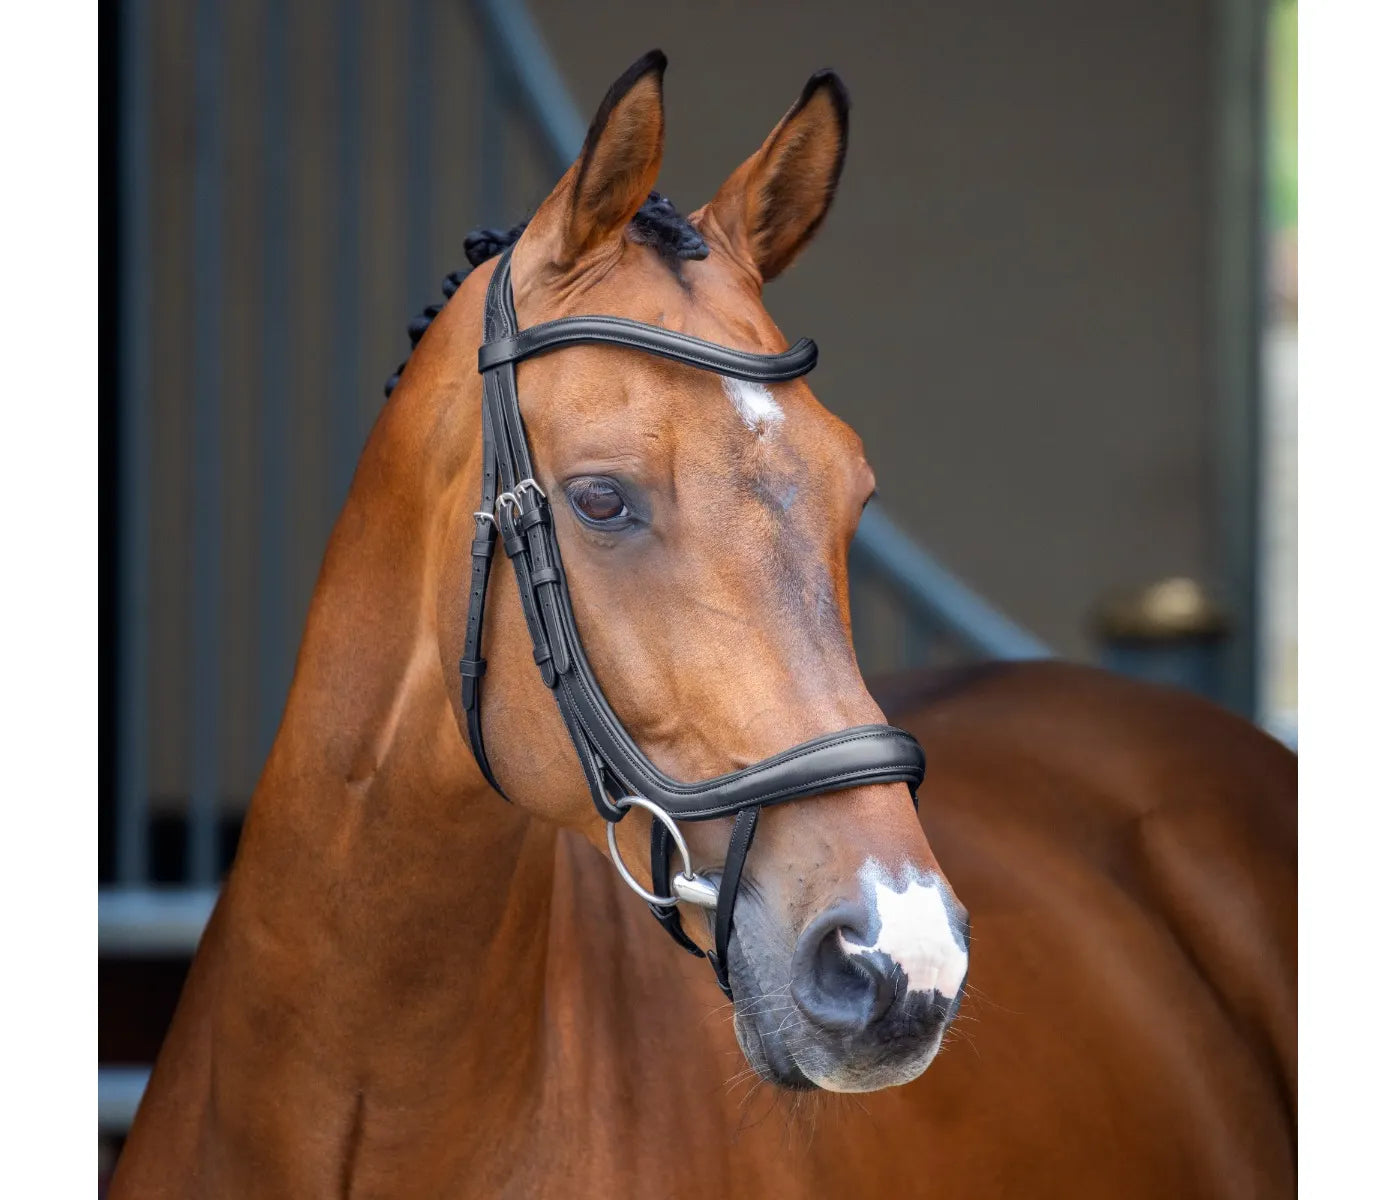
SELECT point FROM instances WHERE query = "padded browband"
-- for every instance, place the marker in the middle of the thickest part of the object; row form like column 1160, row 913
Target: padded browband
column 799, row 359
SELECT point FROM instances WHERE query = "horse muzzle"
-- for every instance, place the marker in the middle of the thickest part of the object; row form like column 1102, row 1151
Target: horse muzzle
column 870, row 989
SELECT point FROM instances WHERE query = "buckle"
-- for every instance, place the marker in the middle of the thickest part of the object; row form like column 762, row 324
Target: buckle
column 505, row 501
column 524, row 484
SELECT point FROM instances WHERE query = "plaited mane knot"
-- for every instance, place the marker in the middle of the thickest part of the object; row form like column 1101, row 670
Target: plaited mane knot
column 658, row 224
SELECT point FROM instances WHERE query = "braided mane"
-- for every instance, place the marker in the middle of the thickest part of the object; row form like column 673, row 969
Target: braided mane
column 657, row 224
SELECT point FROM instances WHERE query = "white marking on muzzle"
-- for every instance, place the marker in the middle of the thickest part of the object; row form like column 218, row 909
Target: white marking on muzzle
column 913, row 930
column 754, row 402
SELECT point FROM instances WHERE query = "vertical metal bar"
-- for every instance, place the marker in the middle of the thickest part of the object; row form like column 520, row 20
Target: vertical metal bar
column 420, row 210
column 206, row 681
column 489, row 180
column 132, row 797
column 345, row 425
column 1236, row 307
column 273, row 653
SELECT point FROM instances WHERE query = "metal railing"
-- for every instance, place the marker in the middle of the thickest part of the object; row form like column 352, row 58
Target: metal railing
column 939, row 616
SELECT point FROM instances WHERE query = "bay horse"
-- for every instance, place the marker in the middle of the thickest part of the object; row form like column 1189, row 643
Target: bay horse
column 410, row 987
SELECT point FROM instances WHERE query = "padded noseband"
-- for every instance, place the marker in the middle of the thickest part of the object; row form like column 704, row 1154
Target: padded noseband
column 514, row 510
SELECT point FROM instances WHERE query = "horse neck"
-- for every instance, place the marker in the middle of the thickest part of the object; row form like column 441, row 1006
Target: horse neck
column 405, row 889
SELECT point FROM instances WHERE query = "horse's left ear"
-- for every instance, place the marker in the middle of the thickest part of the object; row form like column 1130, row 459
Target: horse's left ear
column 775, row 201
column 605, row 186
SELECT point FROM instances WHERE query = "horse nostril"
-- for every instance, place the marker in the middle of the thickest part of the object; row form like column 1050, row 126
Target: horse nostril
column 836, row 990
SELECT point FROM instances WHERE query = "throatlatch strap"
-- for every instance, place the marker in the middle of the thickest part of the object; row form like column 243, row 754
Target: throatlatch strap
column 472, row 662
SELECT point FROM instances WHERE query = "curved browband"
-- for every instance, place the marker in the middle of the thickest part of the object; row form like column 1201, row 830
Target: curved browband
column 799, row 359
column 514, row 508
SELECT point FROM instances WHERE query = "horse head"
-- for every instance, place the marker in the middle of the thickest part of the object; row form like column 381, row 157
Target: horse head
column 704, row 524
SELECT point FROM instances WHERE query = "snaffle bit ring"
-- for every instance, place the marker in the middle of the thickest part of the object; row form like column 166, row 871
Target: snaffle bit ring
column 695, row 889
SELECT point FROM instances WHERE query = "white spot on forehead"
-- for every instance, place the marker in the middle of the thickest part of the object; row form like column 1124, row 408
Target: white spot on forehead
column 754, row 402
column 913, row 929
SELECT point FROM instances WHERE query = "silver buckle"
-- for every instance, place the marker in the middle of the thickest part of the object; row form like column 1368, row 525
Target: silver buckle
column 687, row 885
column 505, row 500
column 511, row 499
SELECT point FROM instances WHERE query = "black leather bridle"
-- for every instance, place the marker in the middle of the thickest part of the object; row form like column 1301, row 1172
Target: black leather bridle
column 514, row 508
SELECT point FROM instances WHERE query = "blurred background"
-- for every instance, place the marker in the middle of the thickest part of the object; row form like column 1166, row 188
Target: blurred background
column 1063, row 255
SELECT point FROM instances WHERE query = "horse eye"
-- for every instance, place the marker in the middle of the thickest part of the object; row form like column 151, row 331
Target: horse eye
column 598, row 501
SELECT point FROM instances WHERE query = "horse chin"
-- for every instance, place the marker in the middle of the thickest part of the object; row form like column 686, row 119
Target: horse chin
column 874, row 1077
column 819, row 1068
column 770, row 1058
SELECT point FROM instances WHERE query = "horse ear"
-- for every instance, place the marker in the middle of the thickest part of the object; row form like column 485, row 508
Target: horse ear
column 616, row 171
column 775, row 201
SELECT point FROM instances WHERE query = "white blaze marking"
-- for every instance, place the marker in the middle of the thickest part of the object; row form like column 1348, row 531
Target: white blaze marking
column 915, row 931
column 754, row 402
